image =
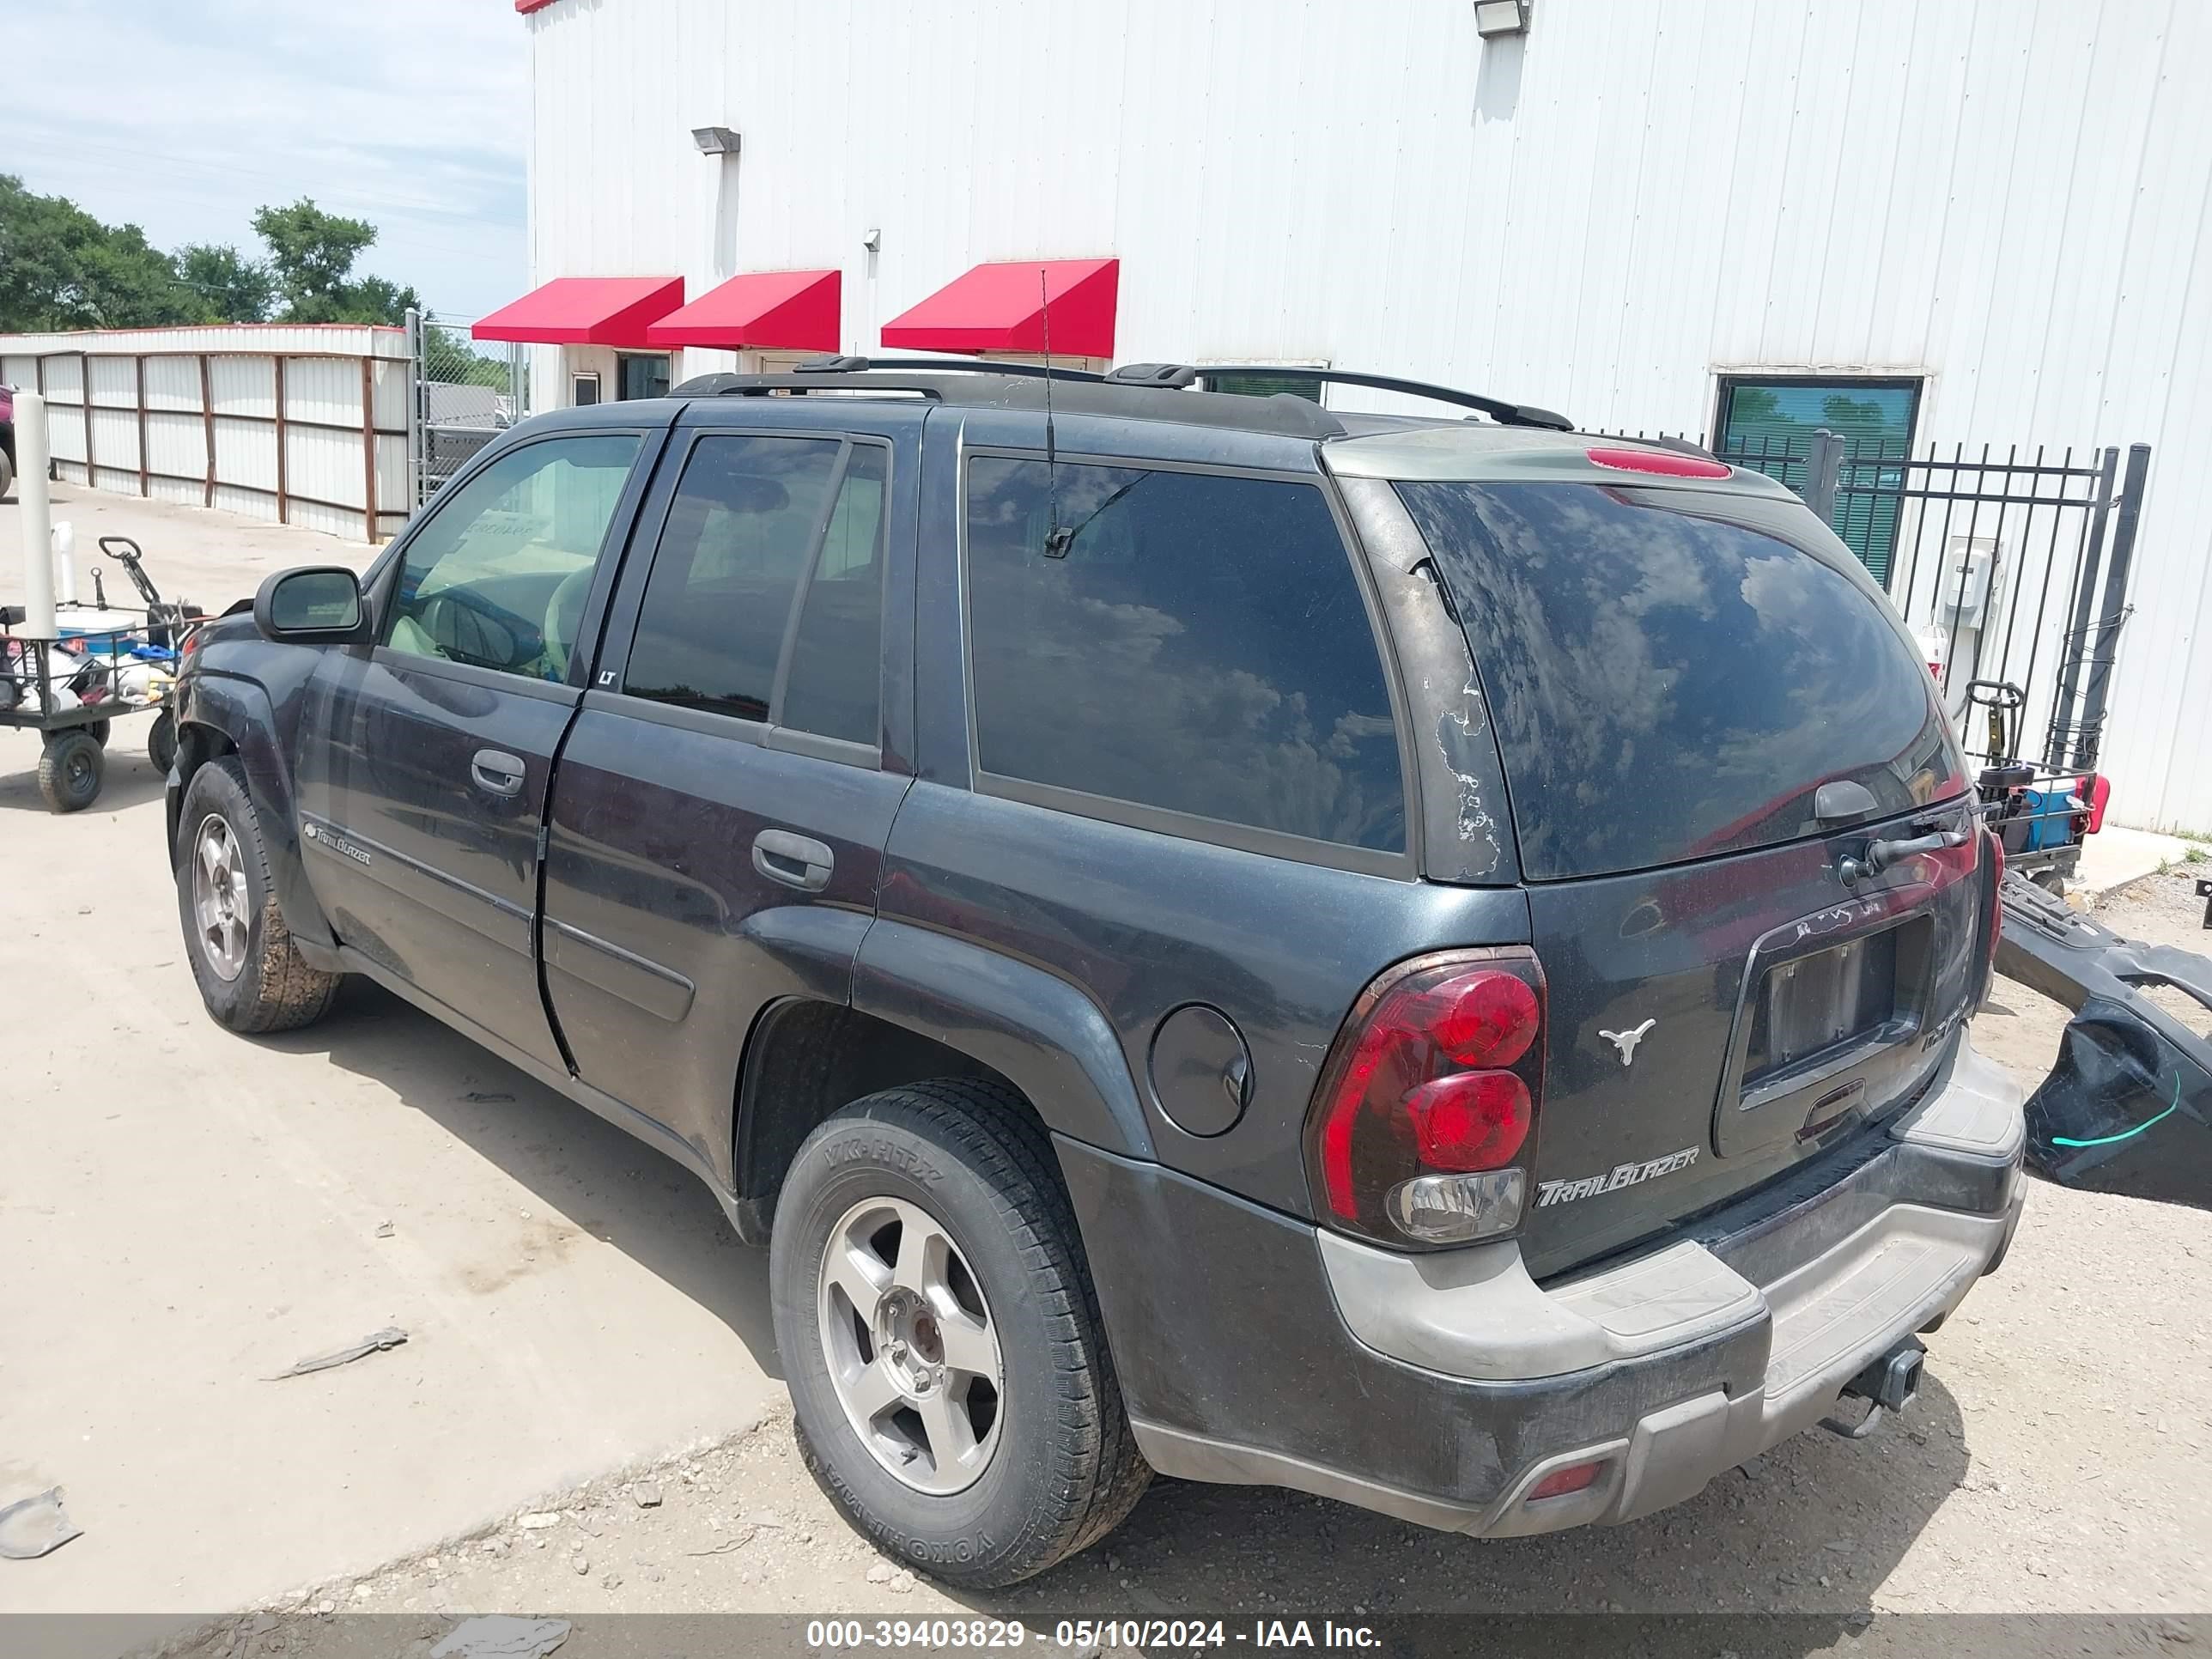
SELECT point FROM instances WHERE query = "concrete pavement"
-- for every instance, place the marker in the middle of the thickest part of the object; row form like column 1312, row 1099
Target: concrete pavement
column 184, row 1213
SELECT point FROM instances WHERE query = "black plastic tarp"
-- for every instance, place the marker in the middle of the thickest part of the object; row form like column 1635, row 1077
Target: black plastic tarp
column 2124, row 1110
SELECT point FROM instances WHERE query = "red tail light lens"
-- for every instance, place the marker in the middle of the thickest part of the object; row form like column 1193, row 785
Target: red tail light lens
column 1490, row 1019
column 1993, row 910
column 1423, row 1123
column 1471, row 1121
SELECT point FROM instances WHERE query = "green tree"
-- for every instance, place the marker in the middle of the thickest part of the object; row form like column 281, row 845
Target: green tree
column 373, row 299
column 231, row 288
column 61, row 268
column 311, row 256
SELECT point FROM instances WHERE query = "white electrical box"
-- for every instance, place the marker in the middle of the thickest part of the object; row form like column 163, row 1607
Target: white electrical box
column 1970, row 565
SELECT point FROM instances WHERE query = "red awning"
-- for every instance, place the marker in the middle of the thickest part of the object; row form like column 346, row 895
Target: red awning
column 791, row 309
column 607, row 311
column 1002, row 308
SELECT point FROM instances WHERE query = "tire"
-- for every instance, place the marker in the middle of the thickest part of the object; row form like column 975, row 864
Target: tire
column 100, row 732
column 70, row 769
column 7, row 474
column 161, row 742
column 251, row 975
column 1057, row 1467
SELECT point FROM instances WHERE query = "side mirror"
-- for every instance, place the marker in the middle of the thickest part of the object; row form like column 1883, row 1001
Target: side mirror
column 318, row 605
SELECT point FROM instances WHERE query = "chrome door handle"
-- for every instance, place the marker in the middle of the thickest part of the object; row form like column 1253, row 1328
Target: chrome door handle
column 795, row 861
column 496, row 772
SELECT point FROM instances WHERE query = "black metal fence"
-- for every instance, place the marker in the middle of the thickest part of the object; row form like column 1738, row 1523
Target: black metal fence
column 2010, row 565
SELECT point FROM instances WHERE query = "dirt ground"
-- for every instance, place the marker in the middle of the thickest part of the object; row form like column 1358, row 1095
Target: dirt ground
column 2059, row 1459
column 579, row 1307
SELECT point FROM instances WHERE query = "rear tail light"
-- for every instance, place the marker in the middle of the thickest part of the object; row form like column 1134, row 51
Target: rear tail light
column 1993, row 866
column 1424, row 1123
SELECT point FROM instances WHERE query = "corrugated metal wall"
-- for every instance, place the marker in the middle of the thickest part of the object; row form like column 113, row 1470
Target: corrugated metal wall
column 190, row 415
column 2007, row 198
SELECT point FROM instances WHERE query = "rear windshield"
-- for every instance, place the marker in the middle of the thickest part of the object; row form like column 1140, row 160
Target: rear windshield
column 1673, row 673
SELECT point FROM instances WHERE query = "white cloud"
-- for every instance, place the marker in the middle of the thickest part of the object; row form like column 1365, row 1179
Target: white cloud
column 183, row 116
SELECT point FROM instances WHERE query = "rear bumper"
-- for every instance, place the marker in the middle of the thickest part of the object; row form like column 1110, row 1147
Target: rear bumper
column 1444, row 1388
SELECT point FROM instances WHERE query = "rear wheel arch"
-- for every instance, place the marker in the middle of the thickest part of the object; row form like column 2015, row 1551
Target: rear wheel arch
column 805, row 1059
column 925, row 1006
column 1043, row 1034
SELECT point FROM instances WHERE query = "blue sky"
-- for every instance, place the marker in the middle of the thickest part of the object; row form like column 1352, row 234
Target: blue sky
column 184, row 116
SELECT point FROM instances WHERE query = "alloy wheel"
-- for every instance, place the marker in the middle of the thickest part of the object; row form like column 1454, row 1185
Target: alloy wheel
column 913, row 1352
column 219, row 903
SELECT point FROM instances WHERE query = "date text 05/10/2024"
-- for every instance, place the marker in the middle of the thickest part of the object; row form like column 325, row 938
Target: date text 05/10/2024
column 1213, row 1633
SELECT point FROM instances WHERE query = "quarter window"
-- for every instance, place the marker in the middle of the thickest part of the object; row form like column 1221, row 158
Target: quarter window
column 754, row 522
column 498, row 576
column 1201, row 647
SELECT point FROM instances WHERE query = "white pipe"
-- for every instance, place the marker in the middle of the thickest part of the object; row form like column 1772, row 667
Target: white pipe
column 32, row 456
column 66, row 563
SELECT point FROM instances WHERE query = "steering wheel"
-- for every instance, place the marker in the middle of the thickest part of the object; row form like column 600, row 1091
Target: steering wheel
column 471, row 629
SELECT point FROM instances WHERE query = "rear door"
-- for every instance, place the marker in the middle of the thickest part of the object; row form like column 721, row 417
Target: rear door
column 719, row 822
column 1674, row 675
column 424, row 763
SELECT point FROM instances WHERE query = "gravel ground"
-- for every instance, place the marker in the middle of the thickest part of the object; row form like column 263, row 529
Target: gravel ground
column 2059, row 1462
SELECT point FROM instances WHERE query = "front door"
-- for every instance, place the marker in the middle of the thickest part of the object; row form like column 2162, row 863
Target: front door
column 718, row 824
column 425, row 762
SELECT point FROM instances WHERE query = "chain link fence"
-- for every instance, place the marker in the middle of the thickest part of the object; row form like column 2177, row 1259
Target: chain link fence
column 465, row 395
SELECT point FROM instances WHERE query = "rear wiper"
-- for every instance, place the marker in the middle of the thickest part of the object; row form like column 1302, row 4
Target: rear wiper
column 1880, row 855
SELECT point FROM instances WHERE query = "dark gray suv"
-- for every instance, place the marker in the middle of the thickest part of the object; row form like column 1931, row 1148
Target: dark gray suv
column 1423, row 960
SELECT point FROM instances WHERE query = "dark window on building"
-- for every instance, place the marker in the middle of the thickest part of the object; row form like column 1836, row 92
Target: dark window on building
column 1202, row 648
column 1767, row 423
column 644, row 374
column 730, row 560
column 835, row 684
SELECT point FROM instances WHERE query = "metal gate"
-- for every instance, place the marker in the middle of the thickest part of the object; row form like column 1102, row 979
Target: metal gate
column 2011, row 569
column 463, row 397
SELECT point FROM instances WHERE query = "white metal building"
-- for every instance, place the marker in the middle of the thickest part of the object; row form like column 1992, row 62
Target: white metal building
column 303, row 423
column 1974, row 222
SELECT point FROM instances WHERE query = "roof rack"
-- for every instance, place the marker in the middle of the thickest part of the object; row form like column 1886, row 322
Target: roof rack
column 979, row 387
column 1498, row 410
column 954, row 365
column 727, row 383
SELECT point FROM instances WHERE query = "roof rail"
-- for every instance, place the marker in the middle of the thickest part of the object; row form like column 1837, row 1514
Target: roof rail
column 1175, row 376
column 1088, row 394
column 952, row 365
column 1498, row 410
column 724, row 383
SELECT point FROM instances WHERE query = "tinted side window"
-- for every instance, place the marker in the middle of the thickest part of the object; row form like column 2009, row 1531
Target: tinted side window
column 731, row 559
column 497, row 577
column 1202, row 648
column 835, row 683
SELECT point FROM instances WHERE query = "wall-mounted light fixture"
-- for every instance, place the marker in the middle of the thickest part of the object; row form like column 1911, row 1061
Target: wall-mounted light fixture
column 1493, row 18
column 873, row 241
column 716, row 141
